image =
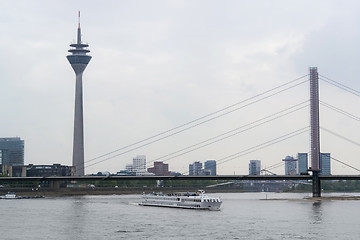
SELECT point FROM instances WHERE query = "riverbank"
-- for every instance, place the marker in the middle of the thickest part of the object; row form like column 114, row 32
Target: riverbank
column 105, row 191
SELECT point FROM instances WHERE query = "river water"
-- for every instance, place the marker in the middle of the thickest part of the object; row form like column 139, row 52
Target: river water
column 242, row 216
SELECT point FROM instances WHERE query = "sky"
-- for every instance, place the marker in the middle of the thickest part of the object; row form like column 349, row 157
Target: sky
column 157, row 65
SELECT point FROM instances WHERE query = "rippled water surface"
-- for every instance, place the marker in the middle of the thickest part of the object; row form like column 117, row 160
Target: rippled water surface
column 242, row 216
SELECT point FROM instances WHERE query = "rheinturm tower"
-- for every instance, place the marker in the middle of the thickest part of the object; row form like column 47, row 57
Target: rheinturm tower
column 78, row 60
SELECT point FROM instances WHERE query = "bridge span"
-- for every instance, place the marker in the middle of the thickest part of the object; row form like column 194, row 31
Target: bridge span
column 218, row 177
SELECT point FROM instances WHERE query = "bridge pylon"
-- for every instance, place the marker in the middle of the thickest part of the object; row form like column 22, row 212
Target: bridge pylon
column 315, row 131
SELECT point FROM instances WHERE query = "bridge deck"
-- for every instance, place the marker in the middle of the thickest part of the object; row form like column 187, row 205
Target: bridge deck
column 219, row 177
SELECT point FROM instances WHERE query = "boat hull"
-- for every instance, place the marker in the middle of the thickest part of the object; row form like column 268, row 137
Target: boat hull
column 199, row 201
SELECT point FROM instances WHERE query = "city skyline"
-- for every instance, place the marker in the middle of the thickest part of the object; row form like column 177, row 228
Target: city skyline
column 155, row 70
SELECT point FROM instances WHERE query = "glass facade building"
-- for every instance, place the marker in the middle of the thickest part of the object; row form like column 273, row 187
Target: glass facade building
column 325, row 167
column 290, row 165
column 211, row 166
column 302, row 163
column 12, row 151
column 254, row 167
column 195, row 169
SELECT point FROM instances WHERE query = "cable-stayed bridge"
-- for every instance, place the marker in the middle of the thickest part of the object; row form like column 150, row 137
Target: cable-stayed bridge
column 314, row 129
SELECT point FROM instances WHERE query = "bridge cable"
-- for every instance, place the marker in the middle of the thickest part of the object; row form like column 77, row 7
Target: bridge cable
column 193, row 121
column 274, row 166
column 347, row 114
column 340, row 85
column 348, row 165
column 207, row 140
column 267, row 171
column 261, row 146
column 262, row 122
column 340, row 136
column 205, row 121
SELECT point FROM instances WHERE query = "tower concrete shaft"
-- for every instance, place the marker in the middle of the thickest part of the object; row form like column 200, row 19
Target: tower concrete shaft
column 78, row 60
column 315, row 133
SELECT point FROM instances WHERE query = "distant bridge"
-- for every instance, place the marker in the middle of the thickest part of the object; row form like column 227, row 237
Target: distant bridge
column 218, row 177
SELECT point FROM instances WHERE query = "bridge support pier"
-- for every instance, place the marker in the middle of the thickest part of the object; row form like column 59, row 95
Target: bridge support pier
column 316, row 184
column 55, row 185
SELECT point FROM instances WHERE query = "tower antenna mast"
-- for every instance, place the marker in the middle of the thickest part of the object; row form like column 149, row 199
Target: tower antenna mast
column 79, row 20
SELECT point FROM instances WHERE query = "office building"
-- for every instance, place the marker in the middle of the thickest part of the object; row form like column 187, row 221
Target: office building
column 254, row 167
column 139, row 163
column 12, row 151
column 137, row 167
column 13, row 171
column 302, row 162
column 159, row 169
column 195, row 169
column 290, row 165
column 78, row 60
column 325, row 167
column 129, row 167
column 49, row 170
column 210, row 167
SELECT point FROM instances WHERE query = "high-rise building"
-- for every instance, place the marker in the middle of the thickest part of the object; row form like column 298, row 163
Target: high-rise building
column 325, row 167
column 12, row 151
column 290, row 165
column 78, row 60
column 195, row 169
column 211, row 166
column 160, row 169
column 254, row 167
column 139, row 164
column 302, row 162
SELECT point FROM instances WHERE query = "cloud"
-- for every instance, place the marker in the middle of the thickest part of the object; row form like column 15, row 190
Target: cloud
column 160, row 64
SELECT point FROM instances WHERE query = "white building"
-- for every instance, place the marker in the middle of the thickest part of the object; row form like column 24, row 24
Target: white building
column 129, row 167
column 139, row 164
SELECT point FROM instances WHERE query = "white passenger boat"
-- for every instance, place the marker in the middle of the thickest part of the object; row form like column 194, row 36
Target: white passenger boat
column 10, row 195
column 197, row 200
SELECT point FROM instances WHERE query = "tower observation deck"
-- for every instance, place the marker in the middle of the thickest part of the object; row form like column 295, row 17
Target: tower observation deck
column 78, row 60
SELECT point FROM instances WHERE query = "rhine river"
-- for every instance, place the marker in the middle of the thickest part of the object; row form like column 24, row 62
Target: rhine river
column 242, row 216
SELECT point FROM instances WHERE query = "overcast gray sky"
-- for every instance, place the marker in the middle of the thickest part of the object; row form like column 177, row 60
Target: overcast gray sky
column 159, row 64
